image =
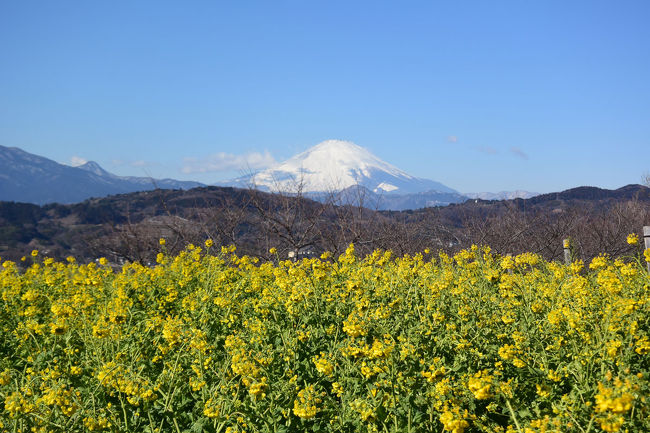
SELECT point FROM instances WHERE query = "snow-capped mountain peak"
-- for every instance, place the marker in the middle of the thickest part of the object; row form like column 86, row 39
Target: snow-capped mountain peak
column 334, row 165
column 95, row 168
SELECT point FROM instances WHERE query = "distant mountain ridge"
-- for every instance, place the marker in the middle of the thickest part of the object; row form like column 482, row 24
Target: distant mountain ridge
column 371, row 182
column 29, row 178
column 592, row 193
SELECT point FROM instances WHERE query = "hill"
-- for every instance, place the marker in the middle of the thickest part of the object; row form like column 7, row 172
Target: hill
column 126, row 227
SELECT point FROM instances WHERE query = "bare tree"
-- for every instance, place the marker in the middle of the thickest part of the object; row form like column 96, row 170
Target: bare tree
column 287, row 220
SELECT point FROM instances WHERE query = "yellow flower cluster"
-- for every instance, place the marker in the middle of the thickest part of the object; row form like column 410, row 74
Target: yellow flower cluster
column 206, row 339
column 453, row 421
column 116, row 378
column 306, row 405
column 480, row 385
column 613, row 400
column 323, row 364
column 632, row 239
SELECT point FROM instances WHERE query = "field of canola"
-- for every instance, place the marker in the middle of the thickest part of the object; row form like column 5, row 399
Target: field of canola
column 209, row 341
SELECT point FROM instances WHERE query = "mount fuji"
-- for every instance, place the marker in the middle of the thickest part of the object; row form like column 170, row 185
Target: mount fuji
column 336, row 166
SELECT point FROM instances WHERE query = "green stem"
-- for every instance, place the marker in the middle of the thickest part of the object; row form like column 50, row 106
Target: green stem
column 126, row 420
column 512, row 413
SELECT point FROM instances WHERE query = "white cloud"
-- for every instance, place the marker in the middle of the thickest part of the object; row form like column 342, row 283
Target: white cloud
column 227, row 161
column 140, row 163
column 452, row 139
column 76, row 161
column 518, row 152
column 487, row 149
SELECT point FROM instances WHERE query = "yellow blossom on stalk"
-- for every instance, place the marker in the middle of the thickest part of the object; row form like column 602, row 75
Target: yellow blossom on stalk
column 537, row 307
column 96, row 423
column 507, row 262
column 58, row 328
column 364, row 410
column 15, row 404
column 211, row 408
column 505, row 388
column 34, row 253
column 209, row 243
column 257, row 389
column 527, row 259
column 273, row 250
column 162, row 241
column 434, row 373
column 480, row 385
column 612, row 347
column 577, row 266
column 642, row 346
column 517, row 362
column 599, row 262
column 453, row 421
column 508, row 318
column 354, row 326
column 646, row 253
column 323, row 365
column 554, row 376
column 615, row 399
column 632, row 239
column 5, row 377
column 337, row 389
column 611, row 423
column 542, row 390
column 492, row 275
column 507, row 351
column 30, row 296
column 196, row 383
column 306, row 405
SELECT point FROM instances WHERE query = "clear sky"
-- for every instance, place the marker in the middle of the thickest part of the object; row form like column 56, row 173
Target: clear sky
column 479, row 95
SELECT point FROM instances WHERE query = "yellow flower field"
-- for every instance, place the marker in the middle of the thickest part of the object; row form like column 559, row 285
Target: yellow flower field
column 209, row 341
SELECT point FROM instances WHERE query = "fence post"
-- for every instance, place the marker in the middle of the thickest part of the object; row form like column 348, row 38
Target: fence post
column 646, row 240
column 566, row 243
column 509, row 255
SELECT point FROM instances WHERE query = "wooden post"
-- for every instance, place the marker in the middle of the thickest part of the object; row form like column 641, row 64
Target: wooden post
column 566, row 243
column 646, row 240
column 509, row 255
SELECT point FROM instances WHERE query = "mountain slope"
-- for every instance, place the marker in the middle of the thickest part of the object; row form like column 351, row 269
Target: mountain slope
column 335, row 165
column 29, row 178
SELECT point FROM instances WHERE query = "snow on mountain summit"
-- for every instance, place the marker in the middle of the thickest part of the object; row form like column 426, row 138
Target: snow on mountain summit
column 335, row 165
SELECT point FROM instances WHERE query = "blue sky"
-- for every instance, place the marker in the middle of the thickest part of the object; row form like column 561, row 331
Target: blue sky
column 478, row 95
